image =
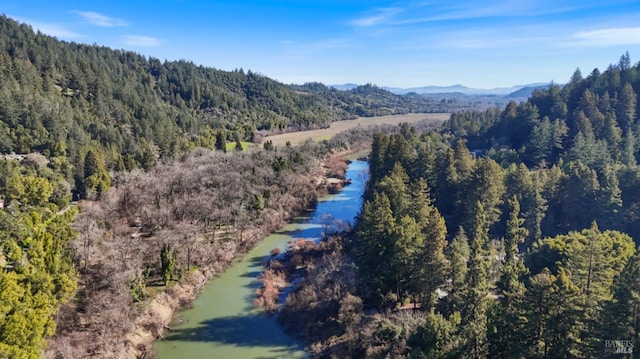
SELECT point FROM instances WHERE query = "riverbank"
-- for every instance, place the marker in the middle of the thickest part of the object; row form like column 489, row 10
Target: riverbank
column 155, row 319
column 205, row 209
column 224, row 321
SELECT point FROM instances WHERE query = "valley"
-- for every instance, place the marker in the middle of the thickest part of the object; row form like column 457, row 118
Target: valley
column 167, row 208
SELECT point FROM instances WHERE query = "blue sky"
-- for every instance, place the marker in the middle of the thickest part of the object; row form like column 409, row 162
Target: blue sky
column 482, row 44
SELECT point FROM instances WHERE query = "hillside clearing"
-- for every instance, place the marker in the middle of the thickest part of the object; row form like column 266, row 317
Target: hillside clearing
column 339, row 126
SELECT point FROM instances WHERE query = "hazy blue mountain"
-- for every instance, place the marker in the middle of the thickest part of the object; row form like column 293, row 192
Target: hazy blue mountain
column 526, row 92
column 462, row 89
column 344, row 87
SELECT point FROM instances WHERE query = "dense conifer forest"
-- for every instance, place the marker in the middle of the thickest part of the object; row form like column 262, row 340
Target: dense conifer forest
column 65, row 100
column 508, row 233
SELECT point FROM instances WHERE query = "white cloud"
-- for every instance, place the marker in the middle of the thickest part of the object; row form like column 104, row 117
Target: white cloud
column 141, row 41
column 52, row 29
column 606, row 37
column 98, row 19
column 382, row 16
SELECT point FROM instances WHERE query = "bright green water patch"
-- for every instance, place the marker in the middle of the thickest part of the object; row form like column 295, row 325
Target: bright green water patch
column 223, row 322
column 362, row 153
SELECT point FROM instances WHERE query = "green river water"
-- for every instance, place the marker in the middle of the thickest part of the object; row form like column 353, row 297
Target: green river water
column 223, row 322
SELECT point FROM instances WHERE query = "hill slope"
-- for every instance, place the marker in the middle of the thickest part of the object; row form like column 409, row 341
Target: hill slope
column 126, row 104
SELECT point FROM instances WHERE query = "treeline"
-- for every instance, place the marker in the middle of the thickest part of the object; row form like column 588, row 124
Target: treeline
column 493, row 291
column 64, row 100
column 507, row 229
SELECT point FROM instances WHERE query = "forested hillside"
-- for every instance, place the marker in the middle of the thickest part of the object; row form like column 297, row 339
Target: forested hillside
column 514, row 231
column 89, row 122
column 65, row 99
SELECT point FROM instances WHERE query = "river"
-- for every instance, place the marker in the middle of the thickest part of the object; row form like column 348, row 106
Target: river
column 223, row 322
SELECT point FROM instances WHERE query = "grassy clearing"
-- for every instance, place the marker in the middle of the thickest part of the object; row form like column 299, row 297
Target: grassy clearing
column 232, row 145
column 339, row 126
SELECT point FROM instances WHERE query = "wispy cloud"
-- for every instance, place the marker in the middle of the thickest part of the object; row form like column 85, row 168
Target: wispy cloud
column 606, row 37
column 426, row 12
column 98, row 19
column 141, row 41
column 52, row 29
column 380, row 16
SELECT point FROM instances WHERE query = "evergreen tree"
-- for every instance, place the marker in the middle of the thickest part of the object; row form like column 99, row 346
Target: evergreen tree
column 507, row 318
column 394, row 185
column 447, row 190
column 612, row 134
column 627, row 153
column 377, row 168
column 626, row 110
column 168, row 262
column 434, row 339
column 221, row 141
column 539, row 146
column 474, row 313
column 486, row 185
column 96, row 179
column 621, row 315
column 375, row 248
column 405, row 262
column 430, row 263
column 457, row 254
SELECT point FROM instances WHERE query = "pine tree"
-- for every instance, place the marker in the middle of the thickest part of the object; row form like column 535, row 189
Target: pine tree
column 404, row 264
column 537, row 211
column 612, row 134
column 96, row 178
column 221, row 141
column 168, row 261
column 540, row 142
column 377, row 168
column 447, row 188
column 626, row 110
column 375, row 248
column 430, row 262
column 627, row 153
column 565, row 318
column 486, row 185
column 507, row 318
column 609, row 199
column 621, row 315
column 457, row 254
column 395, row 187
column 474, row 313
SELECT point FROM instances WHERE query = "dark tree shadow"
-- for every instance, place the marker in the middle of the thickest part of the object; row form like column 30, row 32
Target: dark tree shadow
column 244, row 331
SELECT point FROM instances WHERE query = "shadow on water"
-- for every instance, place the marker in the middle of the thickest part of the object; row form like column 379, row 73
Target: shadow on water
column 313, row 232
column 224, row 323
column 233, row 331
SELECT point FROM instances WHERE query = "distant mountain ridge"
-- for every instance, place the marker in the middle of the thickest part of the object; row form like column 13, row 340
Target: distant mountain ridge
column 458, row 88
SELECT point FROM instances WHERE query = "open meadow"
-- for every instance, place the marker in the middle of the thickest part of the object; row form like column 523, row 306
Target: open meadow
column 339, row 126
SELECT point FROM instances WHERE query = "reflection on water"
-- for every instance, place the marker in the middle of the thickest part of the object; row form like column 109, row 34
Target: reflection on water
column 223, row 323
